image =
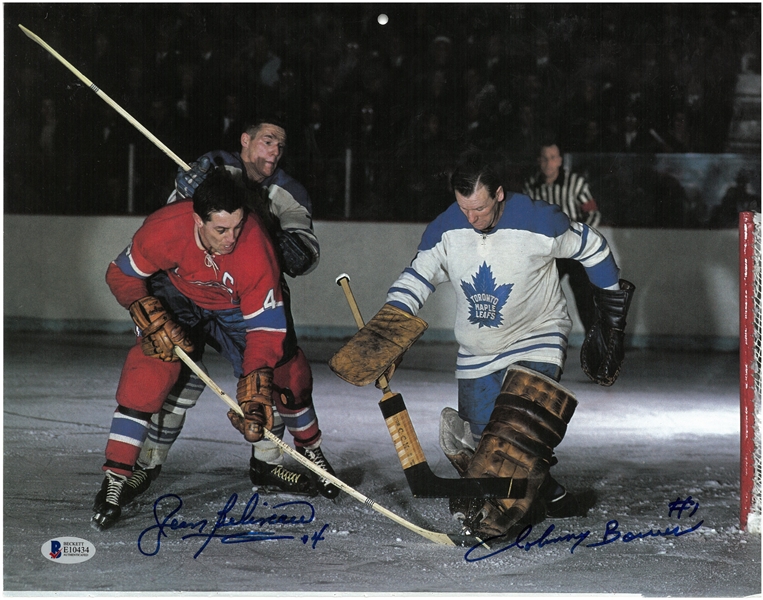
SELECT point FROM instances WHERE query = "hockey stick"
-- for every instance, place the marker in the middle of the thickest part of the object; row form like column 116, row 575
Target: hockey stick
column 158, row 143
column 439, row 538
column 421, row 480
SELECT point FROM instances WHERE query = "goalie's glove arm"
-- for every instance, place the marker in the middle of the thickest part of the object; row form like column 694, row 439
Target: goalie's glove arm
column 603, row 349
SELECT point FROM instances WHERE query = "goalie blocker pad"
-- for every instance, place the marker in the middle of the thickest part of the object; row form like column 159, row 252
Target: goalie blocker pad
column 377, row 346
column 603, row 349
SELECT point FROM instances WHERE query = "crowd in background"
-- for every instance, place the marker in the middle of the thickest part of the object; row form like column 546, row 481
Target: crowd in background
column 404, row 97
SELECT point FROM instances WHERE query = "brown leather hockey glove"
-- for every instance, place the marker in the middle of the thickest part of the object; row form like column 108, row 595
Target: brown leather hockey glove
column 255, row 397
column 160, row 333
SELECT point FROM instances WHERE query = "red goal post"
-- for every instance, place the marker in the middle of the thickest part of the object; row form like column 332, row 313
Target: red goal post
column 750, row 371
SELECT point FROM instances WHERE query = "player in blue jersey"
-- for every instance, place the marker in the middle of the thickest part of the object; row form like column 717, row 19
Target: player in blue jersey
column 498, row 250
column 285, row 207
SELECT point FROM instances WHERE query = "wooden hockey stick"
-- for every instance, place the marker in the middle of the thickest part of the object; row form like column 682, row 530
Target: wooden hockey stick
column 156, row 141
column 439, row 538
column 421, row 480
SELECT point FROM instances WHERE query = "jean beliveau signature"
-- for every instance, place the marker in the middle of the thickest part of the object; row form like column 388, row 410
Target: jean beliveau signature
column 612, row 534
column 227, row 528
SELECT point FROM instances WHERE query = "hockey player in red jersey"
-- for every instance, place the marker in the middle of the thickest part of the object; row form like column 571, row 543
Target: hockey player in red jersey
column 188, row 279
column 285, row 208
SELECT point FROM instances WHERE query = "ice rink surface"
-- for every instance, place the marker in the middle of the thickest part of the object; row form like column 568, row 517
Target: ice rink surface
column 660, row 448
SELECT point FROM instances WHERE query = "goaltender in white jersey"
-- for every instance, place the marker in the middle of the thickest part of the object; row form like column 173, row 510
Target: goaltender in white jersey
column 499, row 250
column 509, row 303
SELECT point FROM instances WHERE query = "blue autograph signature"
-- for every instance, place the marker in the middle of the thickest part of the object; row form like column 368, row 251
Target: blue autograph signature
column 612, row 534
column 286, row 513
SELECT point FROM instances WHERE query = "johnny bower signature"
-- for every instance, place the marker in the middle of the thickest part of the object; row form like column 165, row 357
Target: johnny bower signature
column 612, row 534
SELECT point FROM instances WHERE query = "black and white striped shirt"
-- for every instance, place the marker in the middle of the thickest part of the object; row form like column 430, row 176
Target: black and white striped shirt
column 570, row 191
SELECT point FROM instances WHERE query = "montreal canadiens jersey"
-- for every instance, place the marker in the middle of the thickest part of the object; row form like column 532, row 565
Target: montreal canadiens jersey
column 167, row 241
column 510, row 306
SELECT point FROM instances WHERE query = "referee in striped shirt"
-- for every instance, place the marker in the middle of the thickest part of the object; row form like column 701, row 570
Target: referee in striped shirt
column 569, row 191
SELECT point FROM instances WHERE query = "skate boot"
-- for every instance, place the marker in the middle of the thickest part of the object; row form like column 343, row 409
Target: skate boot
column 138, row 483
column 568, row 504
column 106, row 509
column 559, row 503
column 324, row 486
column 270, row 476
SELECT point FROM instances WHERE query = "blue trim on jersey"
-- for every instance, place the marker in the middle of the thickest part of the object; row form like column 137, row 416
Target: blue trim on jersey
column 535, row 216
column 125, row 265
column 527, row 339
column 273, row 319
column 451, row 219
column 506, row 354
column 604, row 274
column 408, row 293
column 414, row 273
column 400, row 305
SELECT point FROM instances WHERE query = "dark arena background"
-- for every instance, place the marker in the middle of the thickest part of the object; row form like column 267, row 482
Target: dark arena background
column 400, row 100
column 657, row 104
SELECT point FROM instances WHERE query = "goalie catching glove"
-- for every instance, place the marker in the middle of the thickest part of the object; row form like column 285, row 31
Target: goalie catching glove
column 603, row 349
column 160, row 333
column 255, row 398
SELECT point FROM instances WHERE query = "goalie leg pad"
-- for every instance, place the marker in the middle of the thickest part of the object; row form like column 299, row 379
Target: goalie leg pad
column 529, row 420
column 377, row 346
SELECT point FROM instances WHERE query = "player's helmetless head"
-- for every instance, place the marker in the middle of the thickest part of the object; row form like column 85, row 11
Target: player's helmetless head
column 261, row 148
column 219, row 212
column 550, row 161
column 478, row 191
column 482, row 209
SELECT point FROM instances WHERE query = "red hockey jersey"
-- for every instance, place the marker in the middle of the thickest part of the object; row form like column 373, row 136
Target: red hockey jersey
column 247, row 278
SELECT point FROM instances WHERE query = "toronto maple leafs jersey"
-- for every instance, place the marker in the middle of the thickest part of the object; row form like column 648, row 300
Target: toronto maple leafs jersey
column 509, row 302
column 290, row 202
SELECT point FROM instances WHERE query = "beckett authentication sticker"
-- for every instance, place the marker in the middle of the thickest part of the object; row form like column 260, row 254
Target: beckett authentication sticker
column 68, row 550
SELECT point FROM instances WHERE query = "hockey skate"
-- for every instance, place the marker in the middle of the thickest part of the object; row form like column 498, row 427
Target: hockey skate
column 325, row 488
column 138, row 483
column 106, row 508
column 570, row 504
column 277, row 478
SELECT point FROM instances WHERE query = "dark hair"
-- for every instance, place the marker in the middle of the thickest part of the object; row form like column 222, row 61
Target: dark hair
column 474, row 168
column 217, row 193
column 253, row 124
column 549, row 140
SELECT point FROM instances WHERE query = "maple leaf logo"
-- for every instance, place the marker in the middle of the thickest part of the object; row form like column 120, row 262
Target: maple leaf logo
column 485, row 298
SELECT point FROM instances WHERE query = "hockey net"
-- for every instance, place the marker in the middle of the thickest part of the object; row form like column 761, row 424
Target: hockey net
column 750, row 370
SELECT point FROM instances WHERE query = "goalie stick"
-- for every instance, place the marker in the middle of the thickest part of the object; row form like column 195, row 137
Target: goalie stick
column 421, row 480
column 434, row 536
